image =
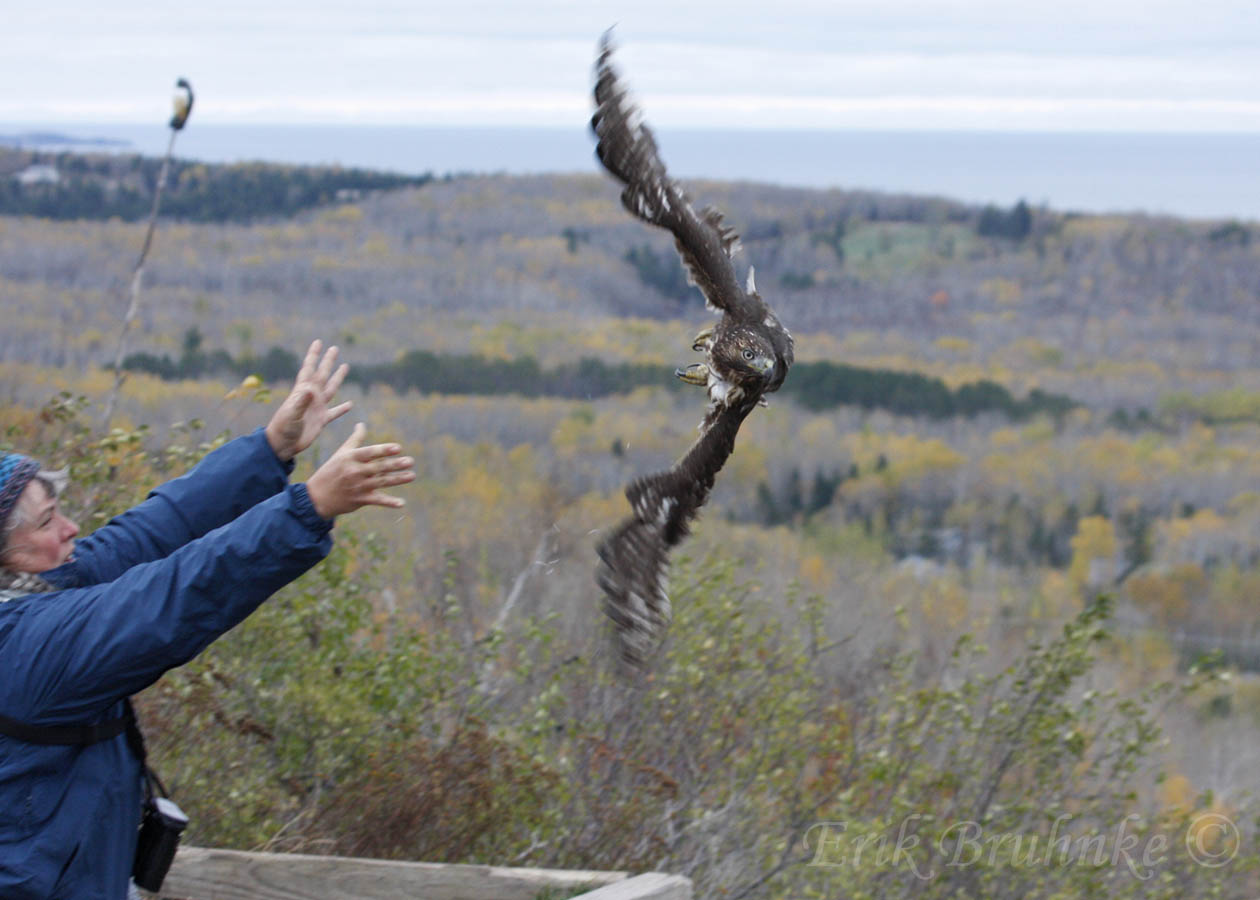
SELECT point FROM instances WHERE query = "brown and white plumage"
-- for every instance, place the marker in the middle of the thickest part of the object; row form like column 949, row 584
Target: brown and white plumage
column 747, row 355
column 182, row 104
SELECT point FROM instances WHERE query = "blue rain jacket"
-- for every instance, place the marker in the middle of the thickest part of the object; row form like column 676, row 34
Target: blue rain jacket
column 143, row 594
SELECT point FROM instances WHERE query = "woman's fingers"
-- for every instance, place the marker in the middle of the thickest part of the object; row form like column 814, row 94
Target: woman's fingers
column 393, row 478
column 374, row 451
column 303, row 399
column 358, row 475
column 389, row 464
column 389, row 471
column 309, row 361
column 354, row 443
column 381, row 464
column 321, row 368
column 338, row 411
column 330, row 388
column 326, row 365
column 385, row 469
column 378, row 498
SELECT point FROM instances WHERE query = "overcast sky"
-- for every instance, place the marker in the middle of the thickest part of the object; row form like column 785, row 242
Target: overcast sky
column 1175, row 65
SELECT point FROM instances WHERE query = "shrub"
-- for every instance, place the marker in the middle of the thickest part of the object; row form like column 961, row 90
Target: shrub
column 762, row 755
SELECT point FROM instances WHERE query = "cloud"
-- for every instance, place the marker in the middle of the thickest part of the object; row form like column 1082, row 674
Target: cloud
column 1120, row 65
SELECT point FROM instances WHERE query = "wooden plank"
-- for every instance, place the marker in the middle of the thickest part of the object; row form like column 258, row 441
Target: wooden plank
column 207, row 874
column 651, row 886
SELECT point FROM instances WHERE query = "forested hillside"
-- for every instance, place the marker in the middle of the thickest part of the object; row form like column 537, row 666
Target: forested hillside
column 75, row 186
column 1124, row 311
column 815, row 385
column 888, row 613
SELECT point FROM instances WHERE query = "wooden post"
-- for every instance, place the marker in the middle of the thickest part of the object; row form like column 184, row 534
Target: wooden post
column 649, row 886
column 207, row 874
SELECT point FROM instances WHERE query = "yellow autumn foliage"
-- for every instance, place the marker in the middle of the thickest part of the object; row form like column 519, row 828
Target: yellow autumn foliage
column 956, row 345
column 1093, row 553
column 1176, row 794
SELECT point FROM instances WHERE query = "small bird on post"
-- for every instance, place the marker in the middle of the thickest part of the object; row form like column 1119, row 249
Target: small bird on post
column 183, row 104
column 183, row 107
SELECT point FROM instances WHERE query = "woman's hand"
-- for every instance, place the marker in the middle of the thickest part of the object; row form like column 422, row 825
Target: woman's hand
column 356, row 476
column 305, row 412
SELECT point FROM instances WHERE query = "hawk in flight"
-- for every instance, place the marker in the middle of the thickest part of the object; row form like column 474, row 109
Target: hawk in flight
column 746, row 355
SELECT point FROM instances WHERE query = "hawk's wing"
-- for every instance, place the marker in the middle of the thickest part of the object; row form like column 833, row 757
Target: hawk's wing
column 626, row 148
column 634, row 559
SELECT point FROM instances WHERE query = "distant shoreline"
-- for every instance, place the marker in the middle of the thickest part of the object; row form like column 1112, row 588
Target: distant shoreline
column 1204, row 176
column 44, row 140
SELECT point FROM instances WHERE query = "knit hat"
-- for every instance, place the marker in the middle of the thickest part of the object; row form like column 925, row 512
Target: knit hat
column 16, row 472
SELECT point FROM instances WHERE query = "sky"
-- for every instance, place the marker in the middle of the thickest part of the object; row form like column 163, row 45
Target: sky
column 1015, row 65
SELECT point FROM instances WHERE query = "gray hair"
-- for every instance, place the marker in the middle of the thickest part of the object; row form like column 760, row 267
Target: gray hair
column 54, row 482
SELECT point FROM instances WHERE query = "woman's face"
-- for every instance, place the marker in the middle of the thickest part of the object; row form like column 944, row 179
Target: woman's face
column 45, row 539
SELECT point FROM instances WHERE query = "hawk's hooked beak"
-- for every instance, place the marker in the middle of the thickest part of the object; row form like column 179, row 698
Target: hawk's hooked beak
column 763, row 364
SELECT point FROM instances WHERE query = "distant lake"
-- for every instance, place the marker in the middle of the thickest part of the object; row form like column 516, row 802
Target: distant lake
column 1199, row 175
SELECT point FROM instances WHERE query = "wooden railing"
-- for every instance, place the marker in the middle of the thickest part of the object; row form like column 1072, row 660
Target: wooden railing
column 204, row 874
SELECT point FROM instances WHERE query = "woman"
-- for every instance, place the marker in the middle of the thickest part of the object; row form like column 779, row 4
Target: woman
column 86, row 624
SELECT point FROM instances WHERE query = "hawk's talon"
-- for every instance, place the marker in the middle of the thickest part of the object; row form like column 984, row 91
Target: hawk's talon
column 704, row 340
column 696, row 373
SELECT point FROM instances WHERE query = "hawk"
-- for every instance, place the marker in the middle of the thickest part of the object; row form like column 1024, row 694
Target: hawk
column 746, row 355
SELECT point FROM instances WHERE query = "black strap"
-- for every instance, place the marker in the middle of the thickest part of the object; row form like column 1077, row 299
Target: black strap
column 75, row 735
column 135, row 740
column 69, row 734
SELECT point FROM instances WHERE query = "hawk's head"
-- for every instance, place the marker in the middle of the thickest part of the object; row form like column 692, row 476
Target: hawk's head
column 743, row 356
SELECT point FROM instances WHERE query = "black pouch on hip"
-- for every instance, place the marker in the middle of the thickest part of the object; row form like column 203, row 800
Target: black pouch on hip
column 160, row 828
column 162, row 822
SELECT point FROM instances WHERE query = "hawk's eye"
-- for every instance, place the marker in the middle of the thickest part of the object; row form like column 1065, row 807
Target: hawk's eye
column 748, row 355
